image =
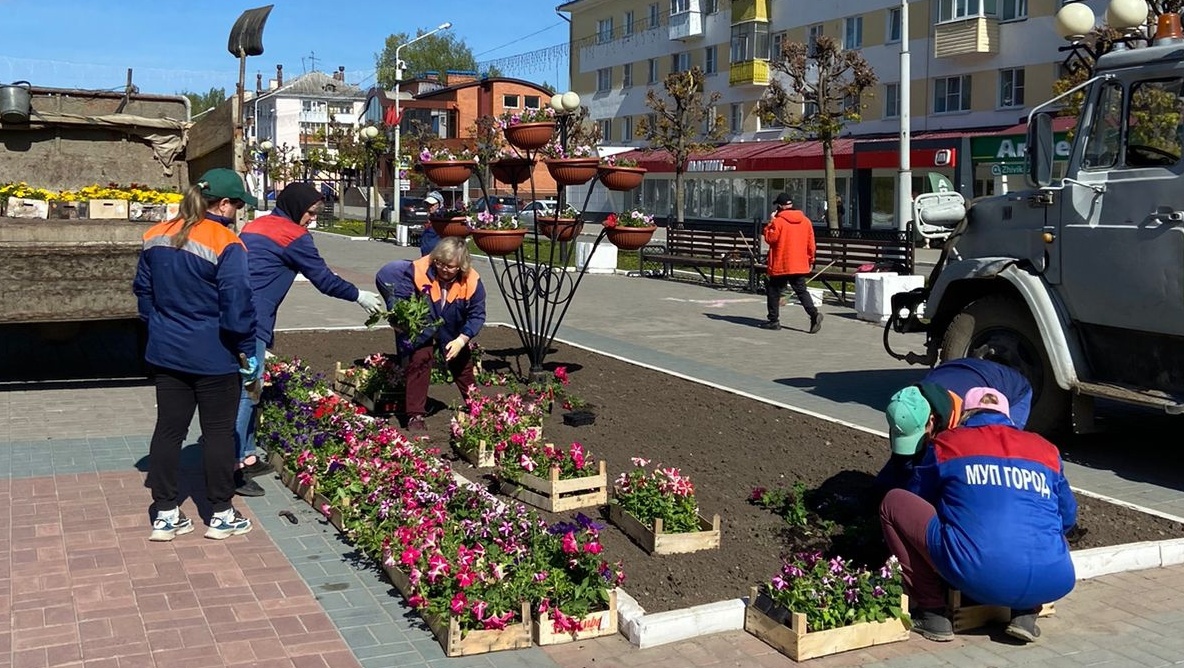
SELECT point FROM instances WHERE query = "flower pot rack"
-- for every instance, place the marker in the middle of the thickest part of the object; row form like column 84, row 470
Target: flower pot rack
column 538, row 287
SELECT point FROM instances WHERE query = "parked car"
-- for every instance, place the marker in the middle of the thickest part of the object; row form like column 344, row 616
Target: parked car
column 544, row 207
column 497, row 204
column 413, row 210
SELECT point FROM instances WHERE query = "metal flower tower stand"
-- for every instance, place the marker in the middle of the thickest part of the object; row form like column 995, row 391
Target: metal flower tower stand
column 539, row 287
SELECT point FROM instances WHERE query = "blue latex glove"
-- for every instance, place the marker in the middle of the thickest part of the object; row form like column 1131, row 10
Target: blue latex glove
column 249, row 369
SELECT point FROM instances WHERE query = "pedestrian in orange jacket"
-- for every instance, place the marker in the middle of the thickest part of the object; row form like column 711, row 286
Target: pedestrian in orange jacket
column 790, row 236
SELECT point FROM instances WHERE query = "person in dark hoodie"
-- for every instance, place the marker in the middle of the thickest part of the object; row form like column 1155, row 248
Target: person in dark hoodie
column 193, row 292
column 790, row 236
column 278, row 247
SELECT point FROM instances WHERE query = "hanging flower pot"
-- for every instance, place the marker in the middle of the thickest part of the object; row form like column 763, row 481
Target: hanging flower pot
column 559, row 229
column 530, row 136
column 451, row 227
column 572, row 171
column 499, row 242
column 511, row 170
column 631, row 238
column 621, row 178
column 448, row 173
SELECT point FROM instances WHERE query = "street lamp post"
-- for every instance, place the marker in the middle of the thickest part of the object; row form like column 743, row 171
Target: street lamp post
column 1075, row 22
column 904, row 179
column 265, row 149
column 368, row 134
column 395, row 205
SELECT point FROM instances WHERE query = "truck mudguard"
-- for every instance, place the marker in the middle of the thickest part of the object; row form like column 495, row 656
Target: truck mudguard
column 1064, row 350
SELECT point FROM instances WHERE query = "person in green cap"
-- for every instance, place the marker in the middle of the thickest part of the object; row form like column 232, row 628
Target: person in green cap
column 915, row 415
column 193, row 292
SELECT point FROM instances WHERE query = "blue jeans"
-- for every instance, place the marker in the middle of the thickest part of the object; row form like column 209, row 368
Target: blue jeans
column 248, row 414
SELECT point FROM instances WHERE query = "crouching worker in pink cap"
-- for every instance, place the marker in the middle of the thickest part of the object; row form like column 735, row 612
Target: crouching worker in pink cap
column 988, row 516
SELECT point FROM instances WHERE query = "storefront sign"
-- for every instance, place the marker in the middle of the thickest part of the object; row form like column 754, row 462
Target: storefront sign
column 1011, row 148
column 1008, row 169
column 710, row 166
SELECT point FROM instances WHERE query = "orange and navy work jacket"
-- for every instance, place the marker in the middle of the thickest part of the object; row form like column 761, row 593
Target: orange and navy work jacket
column 196, row 299
column 460, row 305
column 790, row 236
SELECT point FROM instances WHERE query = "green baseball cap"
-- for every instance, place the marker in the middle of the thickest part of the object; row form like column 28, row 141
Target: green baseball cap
column 908, row 412
column 221, row 182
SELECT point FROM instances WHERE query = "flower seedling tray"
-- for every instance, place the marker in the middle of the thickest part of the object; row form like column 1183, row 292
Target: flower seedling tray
column 556, row 496
column 481, row 456
column 108, row 209
column 67, row 210
column 655, row 541
column 23, row 207
column 342, row 384
column 319, row 503
column 278, row 460
column 973, row 616
column 579, row 418
column 385, row 403
column 596, row 624
column 799, row 643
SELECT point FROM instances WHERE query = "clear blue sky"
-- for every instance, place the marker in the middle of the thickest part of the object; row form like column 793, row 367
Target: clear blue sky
column 177, row 46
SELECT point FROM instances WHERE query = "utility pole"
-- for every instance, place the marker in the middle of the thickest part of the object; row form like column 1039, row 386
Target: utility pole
column 904, row 179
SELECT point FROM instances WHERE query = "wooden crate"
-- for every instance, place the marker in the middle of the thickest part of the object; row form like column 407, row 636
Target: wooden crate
column 152, row 213
column 655, row 541
column 481, row 456
column 342, row 385
column 319, row 501
column 603, row 623
column 110, row 209
column 23, row 207
column 398, row 578
column 67, row 210
column 967, row 617
column 384, row 404
column 799, row 643
column 556, row 496
column 448, row 633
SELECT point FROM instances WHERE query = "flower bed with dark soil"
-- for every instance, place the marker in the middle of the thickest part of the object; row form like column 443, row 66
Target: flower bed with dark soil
column 726, row 443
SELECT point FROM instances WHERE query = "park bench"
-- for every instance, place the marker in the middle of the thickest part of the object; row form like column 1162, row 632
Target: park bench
column 840, row 254
column 710, row 250
column 386, row 229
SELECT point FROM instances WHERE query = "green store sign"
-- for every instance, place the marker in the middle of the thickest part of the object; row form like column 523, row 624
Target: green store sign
column 1009, row 149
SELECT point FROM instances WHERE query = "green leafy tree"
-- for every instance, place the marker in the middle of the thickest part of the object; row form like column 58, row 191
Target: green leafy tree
column 684, row 122
column 440, row 52
column 200, row 102
column 822, row 91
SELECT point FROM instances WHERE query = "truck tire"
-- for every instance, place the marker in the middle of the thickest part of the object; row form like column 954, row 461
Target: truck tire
column 1005, row 326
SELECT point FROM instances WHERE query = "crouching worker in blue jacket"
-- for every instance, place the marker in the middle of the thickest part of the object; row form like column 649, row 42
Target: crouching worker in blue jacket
column 994, row 525
column 456, row 296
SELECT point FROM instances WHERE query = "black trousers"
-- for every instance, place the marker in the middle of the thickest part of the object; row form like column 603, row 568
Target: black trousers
column 216, row 399
column 775, row 285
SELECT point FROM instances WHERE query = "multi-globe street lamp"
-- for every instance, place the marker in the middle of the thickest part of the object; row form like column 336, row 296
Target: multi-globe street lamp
column 396, row 207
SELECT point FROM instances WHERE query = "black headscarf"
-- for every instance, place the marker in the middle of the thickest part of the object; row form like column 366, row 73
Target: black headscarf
column 295, row 199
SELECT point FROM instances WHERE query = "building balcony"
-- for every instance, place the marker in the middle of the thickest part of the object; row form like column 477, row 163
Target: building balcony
column 688, row 24
column 749, row 73
column 977, row 35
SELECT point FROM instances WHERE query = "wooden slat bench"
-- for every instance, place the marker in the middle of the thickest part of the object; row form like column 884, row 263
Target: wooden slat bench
column 387, row 230
column 723, row 250
column 839, row 254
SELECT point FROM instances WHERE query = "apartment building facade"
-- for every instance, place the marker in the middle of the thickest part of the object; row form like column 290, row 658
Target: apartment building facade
column 298, row 116
column 978, row 67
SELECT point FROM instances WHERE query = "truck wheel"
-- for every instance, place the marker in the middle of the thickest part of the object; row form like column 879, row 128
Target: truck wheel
column 1007, row 330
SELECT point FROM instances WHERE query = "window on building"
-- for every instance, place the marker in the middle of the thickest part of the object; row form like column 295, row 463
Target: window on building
column 680, row 6
column 893, row 25
column 853, row 32
column 606, row 129
column 604, row 79
column 1011, row 87
column 627, row 24
column 750, row 40
column 653, row 71
column 891, row 100
column 812, row 36
column 627, row 75
column 510, row 101
column 710, row 60
column 954, row 10
column 655, row 18
column 651, row 120
column 710, row 6
column 778, row 43
column 531, row 101
column 736, row 121
column 1013, row 10
column 680, row 62
column 604, row 30
column 627, row 128
column 951, row 94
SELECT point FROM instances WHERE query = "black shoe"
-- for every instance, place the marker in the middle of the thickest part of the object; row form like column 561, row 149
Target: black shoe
column 1023, row 625
column 771, row 324
column 415, row 424
column 246, row 486
column 260, row 467
column 816, row 322
column 933, row 625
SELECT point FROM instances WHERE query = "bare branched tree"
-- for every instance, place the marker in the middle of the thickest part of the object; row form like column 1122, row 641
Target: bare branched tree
column 685, row 123
column 823, row 91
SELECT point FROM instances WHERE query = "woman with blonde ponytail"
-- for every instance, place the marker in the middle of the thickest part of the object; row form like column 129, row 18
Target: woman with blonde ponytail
column 194, row 293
